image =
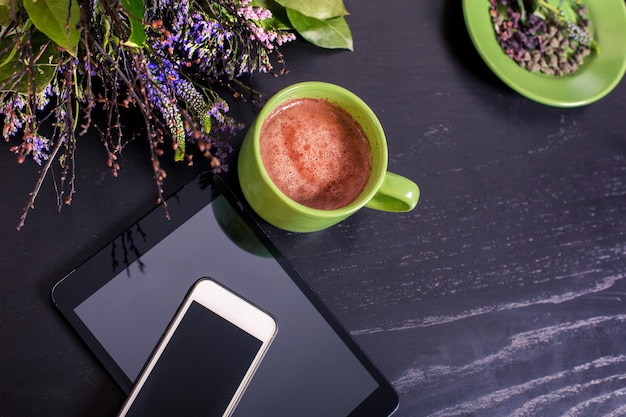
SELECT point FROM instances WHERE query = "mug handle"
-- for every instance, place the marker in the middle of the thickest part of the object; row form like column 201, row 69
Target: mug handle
column 396, row 194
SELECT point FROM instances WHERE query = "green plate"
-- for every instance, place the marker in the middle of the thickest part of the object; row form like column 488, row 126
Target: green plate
column 599, row 74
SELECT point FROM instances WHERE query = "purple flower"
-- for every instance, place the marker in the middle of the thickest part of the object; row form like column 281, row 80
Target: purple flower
column 253, row 13
column 14, row 118
column 40, row 148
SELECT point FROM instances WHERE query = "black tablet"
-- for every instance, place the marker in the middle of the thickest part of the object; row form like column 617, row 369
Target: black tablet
column 121, row 300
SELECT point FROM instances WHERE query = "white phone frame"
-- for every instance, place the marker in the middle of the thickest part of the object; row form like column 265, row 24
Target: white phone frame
column 232, row 308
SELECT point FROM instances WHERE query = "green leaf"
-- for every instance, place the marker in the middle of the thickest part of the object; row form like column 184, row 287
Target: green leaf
column 319, row 9
column 43, row 75
column 135, row 10
column 44, row 68
column 58, row 20
column 5, row 15
column 279, row 19
column 8, row 56
column 328, row 33
column 8, row 8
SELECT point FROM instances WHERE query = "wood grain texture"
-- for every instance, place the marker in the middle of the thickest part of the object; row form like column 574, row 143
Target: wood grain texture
column 502, row 294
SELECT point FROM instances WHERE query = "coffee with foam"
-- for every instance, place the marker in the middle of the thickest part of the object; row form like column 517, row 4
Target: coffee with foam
column 315, row 153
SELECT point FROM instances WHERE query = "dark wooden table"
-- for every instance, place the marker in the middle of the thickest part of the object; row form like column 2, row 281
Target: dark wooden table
column 503, row 293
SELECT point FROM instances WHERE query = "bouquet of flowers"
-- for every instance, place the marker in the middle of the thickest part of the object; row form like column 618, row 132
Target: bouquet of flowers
column 172, row 61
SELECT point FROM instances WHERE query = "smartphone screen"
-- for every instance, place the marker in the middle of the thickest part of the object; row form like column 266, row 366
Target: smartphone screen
column 202, row 364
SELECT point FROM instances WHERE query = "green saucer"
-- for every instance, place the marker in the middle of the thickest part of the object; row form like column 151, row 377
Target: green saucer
column 599, row 74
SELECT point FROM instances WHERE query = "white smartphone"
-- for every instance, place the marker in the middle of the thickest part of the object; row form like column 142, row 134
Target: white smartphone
column 206, row 357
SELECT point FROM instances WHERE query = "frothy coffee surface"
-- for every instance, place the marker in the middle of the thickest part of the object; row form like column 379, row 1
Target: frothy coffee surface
column 315, row 153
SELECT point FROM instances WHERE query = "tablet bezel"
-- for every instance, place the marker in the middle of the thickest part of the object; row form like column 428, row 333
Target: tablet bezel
column 72, row 290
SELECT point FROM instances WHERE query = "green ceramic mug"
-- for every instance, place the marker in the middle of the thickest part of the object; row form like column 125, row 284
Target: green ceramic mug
column 384, row 190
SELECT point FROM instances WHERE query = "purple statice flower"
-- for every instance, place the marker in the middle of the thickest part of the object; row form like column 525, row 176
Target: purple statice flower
column 252, row 13
column 285, row 37
column 269, row 38
column 266, row 37
column 14, row 118
column 218, row 109
column 207, row 45
column 40, row 147
column 213, row 44
column 199, row 43
column 226, row 126
column 43, row 99
column 164, row 72
column 179, row 9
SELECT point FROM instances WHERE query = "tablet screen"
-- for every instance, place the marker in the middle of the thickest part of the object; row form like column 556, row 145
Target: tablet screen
column 313, row 368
